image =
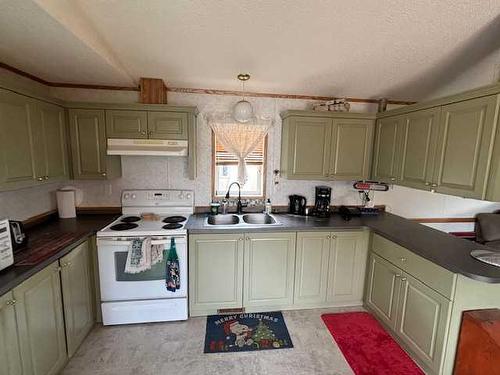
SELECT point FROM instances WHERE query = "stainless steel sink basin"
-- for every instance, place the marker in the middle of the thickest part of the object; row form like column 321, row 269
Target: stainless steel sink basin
column 241, row 221
column 223, row 220
column 259, row 219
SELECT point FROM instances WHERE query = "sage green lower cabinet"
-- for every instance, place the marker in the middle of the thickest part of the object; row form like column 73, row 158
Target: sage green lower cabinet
column 10, row 354
column 417, row 315
column 423, row 316
column 347, row 268
column 215, row 273
column 311, row 268
column 87, row 130
column 39, row 313
column 77, row 284
column 382, row 292
column 268, row 271
column 330, row 268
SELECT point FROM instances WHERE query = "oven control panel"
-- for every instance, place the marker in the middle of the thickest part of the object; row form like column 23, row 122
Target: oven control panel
column 160, row 197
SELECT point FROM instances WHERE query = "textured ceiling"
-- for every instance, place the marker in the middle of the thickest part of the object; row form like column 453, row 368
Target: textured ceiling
column 400, row 49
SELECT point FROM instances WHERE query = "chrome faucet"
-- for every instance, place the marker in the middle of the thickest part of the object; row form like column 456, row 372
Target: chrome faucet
column 239, row 205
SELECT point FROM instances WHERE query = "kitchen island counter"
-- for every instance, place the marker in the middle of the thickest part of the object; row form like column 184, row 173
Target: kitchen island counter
column 443, row 249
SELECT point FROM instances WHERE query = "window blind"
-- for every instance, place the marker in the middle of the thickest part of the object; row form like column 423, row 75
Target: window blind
column 224, row 157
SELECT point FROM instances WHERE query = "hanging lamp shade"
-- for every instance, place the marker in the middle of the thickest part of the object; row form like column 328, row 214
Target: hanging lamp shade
column 243, row 111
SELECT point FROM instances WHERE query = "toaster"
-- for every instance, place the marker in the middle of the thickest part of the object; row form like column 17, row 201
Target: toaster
column 18, row 235
column 6, row 250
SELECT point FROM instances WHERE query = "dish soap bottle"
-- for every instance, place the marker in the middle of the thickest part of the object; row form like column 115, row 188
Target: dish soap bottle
column 268, row 207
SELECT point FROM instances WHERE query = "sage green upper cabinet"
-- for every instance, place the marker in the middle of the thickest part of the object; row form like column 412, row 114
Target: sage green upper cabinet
column 126, row 124
column 350, row 149
column 386, row 149
column 10, row 354
column 40, row 322
column 16, row 148
column 168, row 125
column 383, row 287
column 215, row 273
column 306, row 147
column 326, row 146
column 423, row 316
column 88, row 146
column 268, row 276
column 464, row 147
column 49, row 142
column 418, row 148
column 77, row 284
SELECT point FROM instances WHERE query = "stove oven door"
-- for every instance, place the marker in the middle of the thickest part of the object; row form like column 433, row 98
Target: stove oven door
column 116, row 285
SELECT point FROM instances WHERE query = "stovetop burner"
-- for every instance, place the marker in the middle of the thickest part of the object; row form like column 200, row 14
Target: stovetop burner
column 123, row 226
column 130, row 219
column 174, row 219
column 172, row 226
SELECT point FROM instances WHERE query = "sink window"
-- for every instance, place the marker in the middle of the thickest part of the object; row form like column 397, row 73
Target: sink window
column 226, row 171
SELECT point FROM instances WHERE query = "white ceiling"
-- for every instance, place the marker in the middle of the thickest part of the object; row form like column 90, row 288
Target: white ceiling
column 359, row 48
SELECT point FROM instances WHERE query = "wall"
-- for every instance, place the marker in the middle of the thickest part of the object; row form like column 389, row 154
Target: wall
column 158, row 172
column 171, row 172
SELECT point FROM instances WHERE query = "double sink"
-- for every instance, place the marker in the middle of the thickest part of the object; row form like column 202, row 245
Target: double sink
column 244, row 220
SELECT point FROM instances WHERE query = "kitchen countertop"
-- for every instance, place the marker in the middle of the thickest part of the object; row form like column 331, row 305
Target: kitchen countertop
column 83, row 227
column 443, row 249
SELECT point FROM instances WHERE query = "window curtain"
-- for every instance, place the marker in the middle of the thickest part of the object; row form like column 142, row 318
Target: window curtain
column 239, row 138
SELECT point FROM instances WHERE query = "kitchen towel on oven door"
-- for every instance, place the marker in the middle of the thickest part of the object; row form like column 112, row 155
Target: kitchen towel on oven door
column 173, row 277
column 142, row 255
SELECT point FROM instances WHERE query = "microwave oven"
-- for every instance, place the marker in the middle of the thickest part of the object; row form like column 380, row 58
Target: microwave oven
column 6, row 250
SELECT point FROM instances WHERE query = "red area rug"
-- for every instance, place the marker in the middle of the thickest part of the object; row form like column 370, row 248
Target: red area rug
column 367, row 347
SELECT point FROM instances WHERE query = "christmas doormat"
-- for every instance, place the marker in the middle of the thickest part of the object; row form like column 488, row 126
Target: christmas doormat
column 367, row 347
column 246, row 332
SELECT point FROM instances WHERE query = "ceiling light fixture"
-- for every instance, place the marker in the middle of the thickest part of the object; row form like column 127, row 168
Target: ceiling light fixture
column 243, row 110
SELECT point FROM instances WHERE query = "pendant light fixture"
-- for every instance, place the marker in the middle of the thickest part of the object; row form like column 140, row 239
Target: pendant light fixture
column 243, row 110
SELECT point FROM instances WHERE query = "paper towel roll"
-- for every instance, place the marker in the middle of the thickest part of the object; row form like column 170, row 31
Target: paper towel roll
column 66, row 203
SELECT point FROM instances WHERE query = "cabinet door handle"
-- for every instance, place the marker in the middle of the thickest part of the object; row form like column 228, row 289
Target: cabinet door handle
column 248, row 238
column 67, row 264
column 40, row 178
column 434, row 185
column 397, row 275
column 427, row 184
column 103, row 174
column 46, row 177
column 328, row 237
column 150, row 132
column 240, row 239
column 143, row 132
column 334, row 236
column 403, row 279
column 393, row 179
column 403, row 259
column 11, row 302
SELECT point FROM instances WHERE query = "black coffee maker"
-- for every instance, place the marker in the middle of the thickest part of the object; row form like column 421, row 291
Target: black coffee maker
column 323, row 197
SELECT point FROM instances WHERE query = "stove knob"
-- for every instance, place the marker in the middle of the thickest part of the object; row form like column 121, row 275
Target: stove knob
column 133, row 196
column 126, row 196
column 188, row 196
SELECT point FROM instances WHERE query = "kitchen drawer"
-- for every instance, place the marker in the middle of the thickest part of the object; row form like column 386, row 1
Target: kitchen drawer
column 434, row 276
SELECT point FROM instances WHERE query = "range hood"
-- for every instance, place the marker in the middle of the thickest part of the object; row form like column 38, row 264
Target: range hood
column 155, row 147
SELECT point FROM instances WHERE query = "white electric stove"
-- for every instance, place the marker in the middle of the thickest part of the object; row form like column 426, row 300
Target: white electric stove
column 143, row 297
